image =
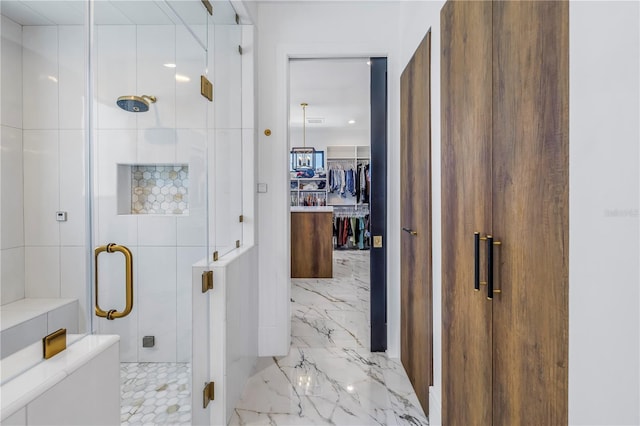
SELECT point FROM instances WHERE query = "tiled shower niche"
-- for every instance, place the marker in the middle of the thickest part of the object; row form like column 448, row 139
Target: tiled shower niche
column 158, row 189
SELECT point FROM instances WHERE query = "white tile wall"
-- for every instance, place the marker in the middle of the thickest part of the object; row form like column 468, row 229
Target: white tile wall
column 42, row 271
column 111, row 286
column 11, row 104
column 191, row 106
column 73, row 282
column 157, row 145
column 22, row 335
column 63, row 317
column 228, row 71
column 187, row 256
column 12, row 189
column 72, row 187
column 228, row 188
column 192, row 148
column 157, row 230
column 249, row 175
column 156, row 46
column 71, row 76
column 248, row 86
column 40, row 77
column 157, row 283
column 116, row 74
column 41, row 187
column 114, row 146
column 12, row 275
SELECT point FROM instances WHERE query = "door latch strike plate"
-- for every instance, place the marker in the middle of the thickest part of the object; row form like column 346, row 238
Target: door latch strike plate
column 207, row 281
column 208, row 394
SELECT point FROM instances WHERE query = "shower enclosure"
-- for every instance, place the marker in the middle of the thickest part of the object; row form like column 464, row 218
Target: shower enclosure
column 117, row 173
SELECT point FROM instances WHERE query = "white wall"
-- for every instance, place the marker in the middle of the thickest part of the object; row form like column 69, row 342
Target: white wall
column 604, row 250
column 11, row 168
column 392, row 29
column 298, row 30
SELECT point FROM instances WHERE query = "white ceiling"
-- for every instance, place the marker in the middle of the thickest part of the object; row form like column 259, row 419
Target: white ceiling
column 115, row 12
column 336, row 90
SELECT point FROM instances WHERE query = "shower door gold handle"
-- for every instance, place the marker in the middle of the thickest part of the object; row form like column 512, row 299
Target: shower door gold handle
column 112, row 313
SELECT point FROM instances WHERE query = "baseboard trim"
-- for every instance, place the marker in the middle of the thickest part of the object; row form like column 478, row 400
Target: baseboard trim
column 435, row 407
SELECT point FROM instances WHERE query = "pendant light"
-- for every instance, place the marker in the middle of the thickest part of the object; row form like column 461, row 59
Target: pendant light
column 303, row 157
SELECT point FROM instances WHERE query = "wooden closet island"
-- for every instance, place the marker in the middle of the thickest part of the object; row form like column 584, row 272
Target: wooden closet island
column 312, row 242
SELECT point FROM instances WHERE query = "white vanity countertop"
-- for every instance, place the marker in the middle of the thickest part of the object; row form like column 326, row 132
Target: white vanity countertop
column 35, row 375
column 311, row 209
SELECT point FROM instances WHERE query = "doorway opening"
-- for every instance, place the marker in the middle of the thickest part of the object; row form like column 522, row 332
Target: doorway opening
column 337, row 112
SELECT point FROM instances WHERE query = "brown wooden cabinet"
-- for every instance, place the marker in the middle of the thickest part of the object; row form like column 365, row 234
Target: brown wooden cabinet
column 505, row 146
column 311, row 242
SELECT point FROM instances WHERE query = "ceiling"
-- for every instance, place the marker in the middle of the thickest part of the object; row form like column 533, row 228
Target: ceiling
column 337, row 90
column 116, row 12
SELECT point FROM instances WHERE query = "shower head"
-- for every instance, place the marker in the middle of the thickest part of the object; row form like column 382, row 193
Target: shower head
column 135, row 103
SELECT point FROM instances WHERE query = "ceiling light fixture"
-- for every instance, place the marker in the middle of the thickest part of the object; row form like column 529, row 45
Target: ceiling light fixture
column 303, row 157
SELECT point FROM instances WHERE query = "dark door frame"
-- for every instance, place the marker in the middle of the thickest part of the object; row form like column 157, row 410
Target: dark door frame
column 378, row 205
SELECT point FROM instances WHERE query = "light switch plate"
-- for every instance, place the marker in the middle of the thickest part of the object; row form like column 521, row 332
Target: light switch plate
column 262, row 187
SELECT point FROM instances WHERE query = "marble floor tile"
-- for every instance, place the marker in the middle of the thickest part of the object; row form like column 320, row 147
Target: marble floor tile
column 155, row 393
column 329, row 375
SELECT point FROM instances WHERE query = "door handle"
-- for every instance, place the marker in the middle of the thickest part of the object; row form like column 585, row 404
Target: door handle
column 476, row 261
column 490, row 289
column 112, row 313
column 410, row 231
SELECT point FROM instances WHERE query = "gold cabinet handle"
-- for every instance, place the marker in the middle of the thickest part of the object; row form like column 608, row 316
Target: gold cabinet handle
column 112, row 313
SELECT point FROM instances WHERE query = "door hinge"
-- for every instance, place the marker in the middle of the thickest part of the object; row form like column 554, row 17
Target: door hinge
column 206, row 88
column 208, row 6
column 208, row 394
column 377, row 241
column 215, row 256
column 241, row 218
column 237, row 243
column 207, row 281
column 237, row 19
column 240, row 49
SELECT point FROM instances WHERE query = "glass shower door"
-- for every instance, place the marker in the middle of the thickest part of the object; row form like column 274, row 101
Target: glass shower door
column 150, row 195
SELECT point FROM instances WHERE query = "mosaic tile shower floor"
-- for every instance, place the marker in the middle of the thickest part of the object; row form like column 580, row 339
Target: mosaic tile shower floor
column 155, row 393
column 329, row 376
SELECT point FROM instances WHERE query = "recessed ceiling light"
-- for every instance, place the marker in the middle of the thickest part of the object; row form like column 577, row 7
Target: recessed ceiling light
column 170, row 65
column 352, row 122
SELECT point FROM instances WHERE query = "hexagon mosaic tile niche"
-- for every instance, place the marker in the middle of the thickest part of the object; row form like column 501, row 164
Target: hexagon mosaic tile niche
column 160, row 189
